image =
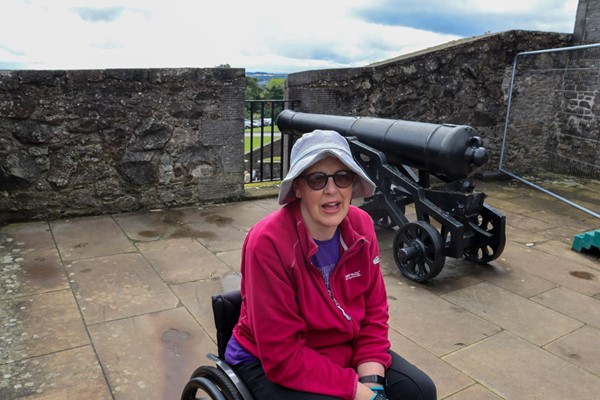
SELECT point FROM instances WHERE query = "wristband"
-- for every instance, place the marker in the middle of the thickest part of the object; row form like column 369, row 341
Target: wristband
column 373, row 379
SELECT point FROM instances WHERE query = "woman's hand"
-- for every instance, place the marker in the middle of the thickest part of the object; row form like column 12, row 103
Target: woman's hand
column 379, row 393
column 364, row 392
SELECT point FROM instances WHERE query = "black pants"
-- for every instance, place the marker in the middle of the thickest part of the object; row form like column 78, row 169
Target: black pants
column 405, row 382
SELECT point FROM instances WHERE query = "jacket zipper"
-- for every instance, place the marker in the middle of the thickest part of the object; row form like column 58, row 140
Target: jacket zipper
column 329, row 291
column 338, row 305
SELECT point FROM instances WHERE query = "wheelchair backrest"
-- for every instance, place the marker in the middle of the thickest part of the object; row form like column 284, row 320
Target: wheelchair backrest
column 226, row 311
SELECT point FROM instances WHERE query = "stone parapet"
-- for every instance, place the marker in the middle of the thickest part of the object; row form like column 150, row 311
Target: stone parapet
column 80, row 142
column 464, row 82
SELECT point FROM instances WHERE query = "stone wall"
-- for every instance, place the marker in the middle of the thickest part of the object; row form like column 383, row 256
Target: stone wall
column 587, row 22
column 554, row 115
column 463, row 82
column 109, row 141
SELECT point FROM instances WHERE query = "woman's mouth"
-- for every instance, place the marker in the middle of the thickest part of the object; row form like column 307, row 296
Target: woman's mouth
column 334, row 206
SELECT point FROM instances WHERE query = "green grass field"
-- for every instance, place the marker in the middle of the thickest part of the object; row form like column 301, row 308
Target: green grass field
column 256, row 139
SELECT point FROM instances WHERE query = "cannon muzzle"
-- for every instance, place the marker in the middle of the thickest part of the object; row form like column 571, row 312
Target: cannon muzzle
column 451, row 151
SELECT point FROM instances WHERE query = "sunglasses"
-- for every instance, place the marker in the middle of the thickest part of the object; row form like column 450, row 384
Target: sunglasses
column 318, row 180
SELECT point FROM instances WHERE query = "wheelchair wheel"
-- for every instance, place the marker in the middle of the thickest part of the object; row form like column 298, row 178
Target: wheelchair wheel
column 212, row 381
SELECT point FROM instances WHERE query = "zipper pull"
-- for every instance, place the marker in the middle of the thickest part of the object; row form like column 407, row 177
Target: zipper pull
column 338, row 305
column 343, row 312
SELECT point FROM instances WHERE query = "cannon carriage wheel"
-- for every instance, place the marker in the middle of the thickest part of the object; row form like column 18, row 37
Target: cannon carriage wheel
column 489, row 231
column 419, row 251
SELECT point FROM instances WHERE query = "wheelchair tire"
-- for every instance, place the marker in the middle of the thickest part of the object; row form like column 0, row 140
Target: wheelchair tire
column 207, row 386
column 220, row 380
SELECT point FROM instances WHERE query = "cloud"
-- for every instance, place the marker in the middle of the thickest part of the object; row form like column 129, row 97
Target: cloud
column 259, row 35
column 12, row 65
column 100, row 14
column 472, row 17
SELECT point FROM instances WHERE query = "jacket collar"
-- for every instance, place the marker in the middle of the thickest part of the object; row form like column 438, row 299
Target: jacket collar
column 348, row 236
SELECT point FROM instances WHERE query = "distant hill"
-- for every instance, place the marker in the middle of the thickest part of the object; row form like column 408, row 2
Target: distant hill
column 264, row 77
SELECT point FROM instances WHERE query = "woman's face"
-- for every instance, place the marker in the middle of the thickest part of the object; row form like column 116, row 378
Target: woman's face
column 323, row 210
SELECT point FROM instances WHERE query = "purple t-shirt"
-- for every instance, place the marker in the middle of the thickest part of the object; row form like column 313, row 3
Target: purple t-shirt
column 325, row 259
column 327, row 256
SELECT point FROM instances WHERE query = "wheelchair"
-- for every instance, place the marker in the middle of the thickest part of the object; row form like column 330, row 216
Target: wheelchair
column 220, row 382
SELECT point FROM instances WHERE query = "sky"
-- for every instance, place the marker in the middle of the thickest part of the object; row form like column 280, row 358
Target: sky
column 258, row 35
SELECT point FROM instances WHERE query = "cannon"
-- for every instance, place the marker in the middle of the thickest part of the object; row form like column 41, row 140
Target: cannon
column 430, row 166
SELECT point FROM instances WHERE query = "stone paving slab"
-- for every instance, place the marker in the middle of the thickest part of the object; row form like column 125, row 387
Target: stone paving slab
column 118, row 286
column 433, row 322
column 63, row 375
column 232, row 258
column 524, row 237
column 183, row 260
column 223, row 238
column 555, row 269
column 516, row 280
column 528, row 223
column 529, row 320
column 241, row 215
column 196, row 297
column 516, row 369
column 475, row 392
column 455, row 275
column 563, row 250
column 89, row 237
column 30, row 236
column 32, row 272
column 143, row 227
column 39, row 325
column 581, row 348
column 151, row 356
column 447, row 379
column 573, row 304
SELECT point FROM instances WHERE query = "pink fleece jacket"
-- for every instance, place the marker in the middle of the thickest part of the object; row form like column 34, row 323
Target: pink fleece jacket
column 306, row 339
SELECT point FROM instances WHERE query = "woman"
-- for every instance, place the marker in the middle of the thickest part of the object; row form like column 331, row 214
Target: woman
column 314, row 315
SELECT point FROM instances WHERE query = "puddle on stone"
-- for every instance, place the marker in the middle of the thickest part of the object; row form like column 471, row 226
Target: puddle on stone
column 173, row 218
column 42, row 273
column 582, row 275
column 191, row 233
column 172, row 335
column 149, row 233
column 218, row 220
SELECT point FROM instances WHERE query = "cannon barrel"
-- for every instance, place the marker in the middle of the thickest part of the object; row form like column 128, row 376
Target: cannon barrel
column 451, row 151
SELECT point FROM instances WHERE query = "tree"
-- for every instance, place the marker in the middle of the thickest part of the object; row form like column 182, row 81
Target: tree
column 274, row 89
column 253, row 91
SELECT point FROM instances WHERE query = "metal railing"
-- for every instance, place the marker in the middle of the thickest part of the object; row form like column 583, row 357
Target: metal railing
column 563, row 83
column 266, row 159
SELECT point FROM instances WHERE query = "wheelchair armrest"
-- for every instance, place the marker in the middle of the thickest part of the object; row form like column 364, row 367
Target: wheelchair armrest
column 226, row 311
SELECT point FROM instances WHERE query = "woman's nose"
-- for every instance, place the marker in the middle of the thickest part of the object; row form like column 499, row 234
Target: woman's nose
column 330, row 187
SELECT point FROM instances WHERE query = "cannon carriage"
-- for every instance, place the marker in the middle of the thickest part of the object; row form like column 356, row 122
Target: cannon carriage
column 427, row 165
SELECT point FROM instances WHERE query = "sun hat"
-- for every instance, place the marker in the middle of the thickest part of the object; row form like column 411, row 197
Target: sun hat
column 315, row 146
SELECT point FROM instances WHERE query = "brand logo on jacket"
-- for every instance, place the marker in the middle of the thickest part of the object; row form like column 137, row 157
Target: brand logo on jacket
column 376, row 260
column 353, row 275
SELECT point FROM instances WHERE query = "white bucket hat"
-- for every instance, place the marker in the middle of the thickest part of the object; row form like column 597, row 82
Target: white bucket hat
column 315, row 146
